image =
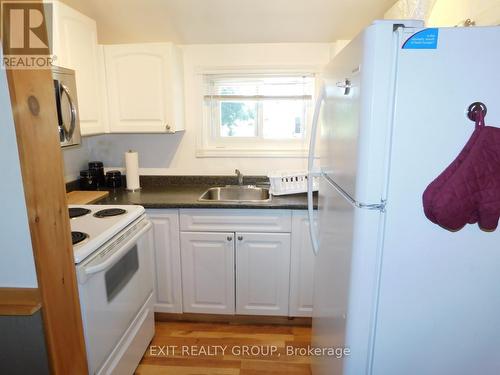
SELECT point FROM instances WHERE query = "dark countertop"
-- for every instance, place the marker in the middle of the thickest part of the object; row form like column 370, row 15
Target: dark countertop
column 184, row 192
column 186, row 196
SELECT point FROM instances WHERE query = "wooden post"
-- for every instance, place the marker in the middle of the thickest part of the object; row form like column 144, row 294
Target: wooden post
column 34, row 110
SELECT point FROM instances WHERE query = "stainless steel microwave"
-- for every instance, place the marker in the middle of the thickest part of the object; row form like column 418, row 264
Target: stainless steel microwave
column 67, row 106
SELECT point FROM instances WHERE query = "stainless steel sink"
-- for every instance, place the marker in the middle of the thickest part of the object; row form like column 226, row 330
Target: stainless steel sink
column 233, row 193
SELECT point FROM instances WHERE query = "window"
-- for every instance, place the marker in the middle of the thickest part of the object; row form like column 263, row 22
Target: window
column 257, row 113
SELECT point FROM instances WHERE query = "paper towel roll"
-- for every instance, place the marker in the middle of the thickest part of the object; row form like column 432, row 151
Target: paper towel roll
column 132, row 170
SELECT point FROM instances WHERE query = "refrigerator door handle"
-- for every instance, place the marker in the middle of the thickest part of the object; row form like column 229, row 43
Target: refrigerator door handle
column 367, row 206
column 310, row 173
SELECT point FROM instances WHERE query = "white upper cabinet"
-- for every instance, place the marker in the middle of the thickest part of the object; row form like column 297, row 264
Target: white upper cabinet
column 123, row 88
column 145, row 88
column 262, row 273
column 75, row 47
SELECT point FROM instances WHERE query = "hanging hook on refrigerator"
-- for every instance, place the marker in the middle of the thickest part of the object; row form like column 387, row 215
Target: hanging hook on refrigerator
column 346, row 85
column 474, row 109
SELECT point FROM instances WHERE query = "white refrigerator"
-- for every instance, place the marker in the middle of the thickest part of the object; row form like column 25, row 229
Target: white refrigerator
column 401, row 294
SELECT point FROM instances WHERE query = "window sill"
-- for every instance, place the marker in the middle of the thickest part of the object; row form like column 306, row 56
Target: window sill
column 240, row 153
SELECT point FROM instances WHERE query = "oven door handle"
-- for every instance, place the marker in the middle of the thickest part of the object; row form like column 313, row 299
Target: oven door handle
column 117, row 255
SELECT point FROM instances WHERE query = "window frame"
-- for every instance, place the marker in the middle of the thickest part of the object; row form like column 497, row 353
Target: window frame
column 213, row 145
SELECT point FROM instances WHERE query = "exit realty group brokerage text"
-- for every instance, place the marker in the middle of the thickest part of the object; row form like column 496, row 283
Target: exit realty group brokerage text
column 246, row 351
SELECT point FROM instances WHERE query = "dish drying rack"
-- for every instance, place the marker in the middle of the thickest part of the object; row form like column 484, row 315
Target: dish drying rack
column 288, row 182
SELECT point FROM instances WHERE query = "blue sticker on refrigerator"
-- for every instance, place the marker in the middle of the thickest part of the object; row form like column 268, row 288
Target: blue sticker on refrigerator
column 424, row 39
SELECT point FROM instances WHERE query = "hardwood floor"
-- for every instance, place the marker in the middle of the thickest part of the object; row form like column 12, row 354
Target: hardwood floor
column 182, row 348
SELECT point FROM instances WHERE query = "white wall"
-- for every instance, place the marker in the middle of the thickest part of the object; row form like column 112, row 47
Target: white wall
column 17, row 266
column 447, row 12
column 453, row 12
column 410, row 9
column 76, row 158
column 175, row 154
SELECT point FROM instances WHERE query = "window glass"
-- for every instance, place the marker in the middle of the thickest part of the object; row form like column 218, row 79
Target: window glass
column 238, row 118
column 283, row 119
column 258, row 108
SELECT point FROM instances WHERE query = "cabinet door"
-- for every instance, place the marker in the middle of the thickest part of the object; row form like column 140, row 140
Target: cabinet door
column 167, row 260
column 207, row 272
column 75, row 47
column 139, row 87
column 302, row 267
column 262, row 273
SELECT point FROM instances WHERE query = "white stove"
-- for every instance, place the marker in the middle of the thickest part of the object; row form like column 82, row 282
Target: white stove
column 113, row 248
column 98, row 230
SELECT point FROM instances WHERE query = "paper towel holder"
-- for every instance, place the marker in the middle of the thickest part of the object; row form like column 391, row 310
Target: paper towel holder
column 137, row 176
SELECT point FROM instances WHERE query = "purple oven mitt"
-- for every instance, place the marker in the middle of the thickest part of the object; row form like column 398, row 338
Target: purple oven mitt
column 432, row 191
column 468, row 191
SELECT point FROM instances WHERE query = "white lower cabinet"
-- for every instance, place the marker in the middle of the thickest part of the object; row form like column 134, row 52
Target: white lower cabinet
column 262, row 273
column 301, row 267
column 208, row 272
column 235, row 264
column 167, row 260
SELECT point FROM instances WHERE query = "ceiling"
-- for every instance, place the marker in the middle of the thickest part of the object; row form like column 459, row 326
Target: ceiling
column 230, row 21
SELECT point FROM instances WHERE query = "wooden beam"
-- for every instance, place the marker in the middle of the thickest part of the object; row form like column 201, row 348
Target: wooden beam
column 44, row 189
column 19, row 301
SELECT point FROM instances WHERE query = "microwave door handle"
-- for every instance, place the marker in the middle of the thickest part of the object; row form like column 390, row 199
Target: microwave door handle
column 310, row 173
column 69, row 132
column 57, row 88
column 118, row 254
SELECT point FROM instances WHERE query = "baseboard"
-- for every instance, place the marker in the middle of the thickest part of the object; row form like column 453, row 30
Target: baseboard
column 233, row 319
column 20, row 301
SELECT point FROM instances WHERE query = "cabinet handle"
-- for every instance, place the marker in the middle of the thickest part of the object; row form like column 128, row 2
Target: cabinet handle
column 229, row 238
column 167, row 127
column 240, row 238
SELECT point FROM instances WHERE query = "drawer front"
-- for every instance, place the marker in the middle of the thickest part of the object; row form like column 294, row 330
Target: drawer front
column 234, row 220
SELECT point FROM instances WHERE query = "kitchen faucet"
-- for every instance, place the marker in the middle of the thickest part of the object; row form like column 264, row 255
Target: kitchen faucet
column 239, row 176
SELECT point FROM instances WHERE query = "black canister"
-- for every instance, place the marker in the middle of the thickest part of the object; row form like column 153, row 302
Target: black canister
column 87, row 180
column 113, row 179
column 97, row 170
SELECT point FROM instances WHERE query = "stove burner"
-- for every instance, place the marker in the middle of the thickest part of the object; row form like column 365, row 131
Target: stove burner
column 77, row 212
column 77, row 237
column 109, row 212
